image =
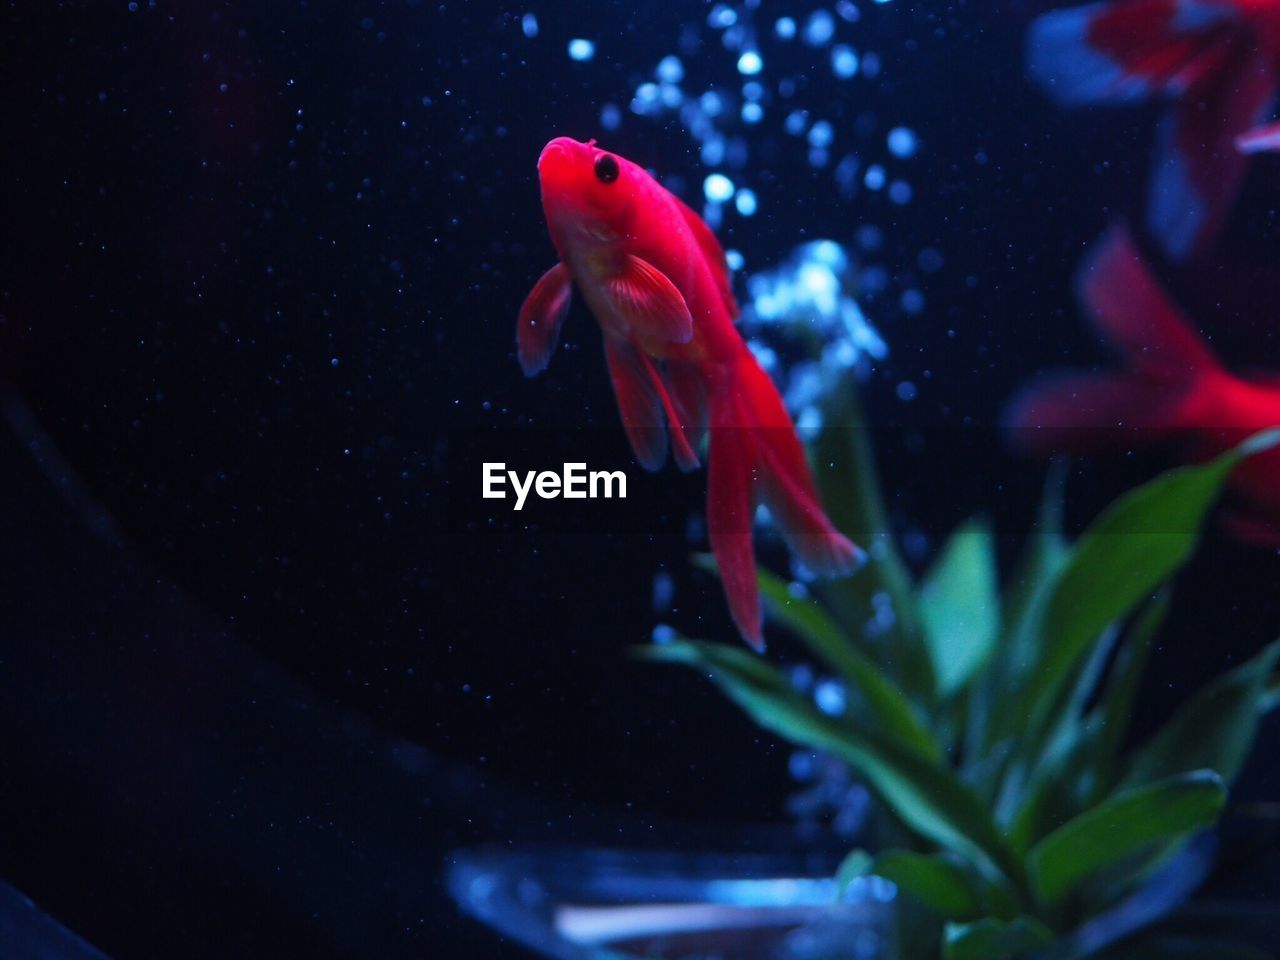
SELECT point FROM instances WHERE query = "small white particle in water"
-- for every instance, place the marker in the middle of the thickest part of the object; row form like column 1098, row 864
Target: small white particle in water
column 911, row 301
column 801, row 766
column 712, row 152
column 930, row 260
column 821, row 134
column 610, row 116
column 752, row 113
column 646, row 100
column 830, row 697
column 796, row 121
column 874, row 178
column 735, row 259
column 820, row 28
column 749, row 64
column 902, row 142
column 735, row 38
column 844, row 62
column 900, row 192
column 717, row 187
column 906, row 391
column 848, row 12
column 581, row 50
column 846, row 173
column 670, row 69
column 745, row 201
column 664, row 591
column 721, row 16
column 871, row 65
column 663, row 634
column 529, row 24
column 785, row 28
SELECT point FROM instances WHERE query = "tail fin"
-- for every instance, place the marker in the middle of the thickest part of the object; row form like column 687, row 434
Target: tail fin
column 755, row 456
column 1199, row 166
column 1167, row 364
column 1201, row 55
column 1128, row 49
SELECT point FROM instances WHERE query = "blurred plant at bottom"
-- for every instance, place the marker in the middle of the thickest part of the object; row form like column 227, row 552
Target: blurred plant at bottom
column 992, row 724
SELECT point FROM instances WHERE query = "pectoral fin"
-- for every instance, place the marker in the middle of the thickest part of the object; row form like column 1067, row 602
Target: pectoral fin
column 538, row 327
column 646, row 408
column 639, row 404
column 648, row 303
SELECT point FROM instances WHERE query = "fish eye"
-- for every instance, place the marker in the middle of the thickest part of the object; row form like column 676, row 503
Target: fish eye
column 606, row 168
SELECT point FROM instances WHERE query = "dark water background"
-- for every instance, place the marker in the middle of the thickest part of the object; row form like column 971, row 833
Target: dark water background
column 254, row 708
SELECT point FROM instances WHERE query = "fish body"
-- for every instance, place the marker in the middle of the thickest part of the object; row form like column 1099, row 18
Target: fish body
column 1172, row 390
column 656, row 280
column 1216, row 63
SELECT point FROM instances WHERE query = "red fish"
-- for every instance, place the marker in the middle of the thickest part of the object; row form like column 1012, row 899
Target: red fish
column 1217, row 61
column 656, row 279
column 1174, row 390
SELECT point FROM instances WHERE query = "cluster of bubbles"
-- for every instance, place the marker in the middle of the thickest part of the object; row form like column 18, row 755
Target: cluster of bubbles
column 725, row 118
column 827, row 793
column 805, row 310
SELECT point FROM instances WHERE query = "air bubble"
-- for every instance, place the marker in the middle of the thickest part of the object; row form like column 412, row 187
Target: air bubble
column 750, row 63
column 581, row 50
column 717, row 188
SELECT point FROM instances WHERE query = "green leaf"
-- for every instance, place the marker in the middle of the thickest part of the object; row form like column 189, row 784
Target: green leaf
column 1124, row 556
column 992, row 939
column 1271, row 699
column 845, row 470
column 1076, row 765
column 960, row 606
column 886, row 703
column 991, row 720
column 1127, row 823
column 926, row 795
column 1114, row 711
column 1214, row 729
column 932, row 881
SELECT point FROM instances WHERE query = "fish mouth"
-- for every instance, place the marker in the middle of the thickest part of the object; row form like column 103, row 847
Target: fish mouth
column 556, row 154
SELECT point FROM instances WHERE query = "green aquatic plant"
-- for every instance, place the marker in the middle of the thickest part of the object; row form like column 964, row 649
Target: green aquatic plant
column 992, row 724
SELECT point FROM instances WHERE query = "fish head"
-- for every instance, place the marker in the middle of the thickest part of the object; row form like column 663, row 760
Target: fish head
column 590, row 196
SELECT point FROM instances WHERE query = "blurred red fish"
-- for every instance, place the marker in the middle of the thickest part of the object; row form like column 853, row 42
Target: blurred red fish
column 1174, row 390
column 656, row 279
column 1218, row 61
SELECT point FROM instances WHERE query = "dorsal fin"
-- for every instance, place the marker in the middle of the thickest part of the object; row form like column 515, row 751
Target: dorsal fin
column 711, row 249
